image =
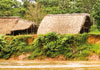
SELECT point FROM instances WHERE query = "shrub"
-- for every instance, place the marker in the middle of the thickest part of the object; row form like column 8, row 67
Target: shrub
column 52, row 45
column 71, row 46
column 94, row 28
column 15, row 45
column 4, row 49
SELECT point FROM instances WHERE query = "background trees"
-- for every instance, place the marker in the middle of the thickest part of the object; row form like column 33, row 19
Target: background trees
column 96, row 17
column 9, row 8
column 36, row 11
column 67, row 6
column 96, row 13
column 54, row 6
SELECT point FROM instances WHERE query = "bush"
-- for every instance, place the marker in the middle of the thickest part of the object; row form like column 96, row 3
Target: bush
column 94, row 29
column 15, row 45
column 53, row 45
column 49, row 45
column 4, row 49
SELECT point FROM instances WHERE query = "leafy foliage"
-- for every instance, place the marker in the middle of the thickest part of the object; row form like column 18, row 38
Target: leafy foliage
column 34, row 13
column 94, row 29
column 52, row 45
column 67, row 6
column 49, row 45
column 13, row 45
column 96, row 14
column 9, row 8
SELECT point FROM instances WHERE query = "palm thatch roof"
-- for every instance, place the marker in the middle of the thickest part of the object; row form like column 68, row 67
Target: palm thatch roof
column 9, row 24
column 65, row 23
column 22, row 25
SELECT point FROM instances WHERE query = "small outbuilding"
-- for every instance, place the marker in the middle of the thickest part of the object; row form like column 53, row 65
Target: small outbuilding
column 65, row 23
column 16, row 26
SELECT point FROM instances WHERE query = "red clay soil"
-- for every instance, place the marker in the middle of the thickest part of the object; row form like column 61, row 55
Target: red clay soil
column 20, row 57
column 94, row 39
column 25, row 57
column 94, row 57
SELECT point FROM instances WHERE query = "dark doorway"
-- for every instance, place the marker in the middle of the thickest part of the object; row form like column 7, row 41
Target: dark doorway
column 31, row 30
column 86, row 26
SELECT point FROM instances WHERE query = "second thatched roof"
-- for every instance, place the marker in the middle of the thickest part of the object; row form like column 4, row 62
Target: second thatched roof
column 22, row 25
column 63, row 23
column 9, row 24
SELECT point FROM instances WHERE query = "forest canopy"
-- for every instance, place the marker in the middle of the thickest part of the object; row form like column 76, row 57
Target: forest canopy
column 36, row 10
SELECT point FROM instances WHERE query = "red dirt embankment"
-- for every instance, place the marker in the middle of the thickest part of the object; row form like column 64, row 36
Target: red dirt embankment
column 94, row 39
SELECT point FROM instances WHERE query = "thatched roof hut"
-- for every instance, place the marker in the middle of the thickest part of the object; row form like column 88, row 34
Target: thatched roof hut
column 16, row 25
column 65, row 23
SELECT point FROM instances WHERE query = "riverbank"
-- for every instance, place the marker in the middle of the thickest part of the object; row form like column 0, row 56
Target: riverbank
column 51, row 46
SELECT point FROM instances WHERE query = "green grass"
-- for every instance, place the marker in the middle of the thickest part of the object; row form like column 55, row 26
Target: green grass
column 94, row 33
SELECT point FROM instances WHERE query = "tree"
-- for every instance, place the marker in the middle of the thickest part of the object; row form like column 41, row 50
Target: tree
column 80, row 6
column 67, row 6
column 96, row 14
column 34, row 13
column 54, row 6
column 9, row 7
column 86, row 5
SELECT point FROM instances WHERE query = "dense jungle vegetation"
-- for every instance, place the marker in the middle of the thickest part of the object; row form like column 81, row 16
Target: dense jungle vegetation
column 35, row 11
column 51, row 45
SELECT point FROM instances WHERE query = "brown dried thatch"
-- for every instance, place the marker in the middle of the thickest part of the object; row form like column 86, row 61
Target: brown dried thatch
column 9, row 25
column 22, row 25
column 65, row 23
